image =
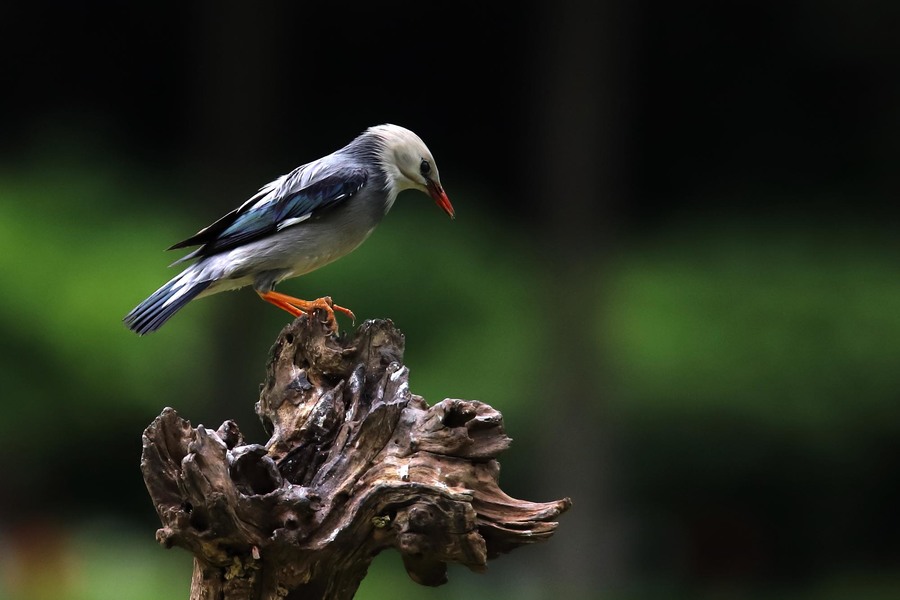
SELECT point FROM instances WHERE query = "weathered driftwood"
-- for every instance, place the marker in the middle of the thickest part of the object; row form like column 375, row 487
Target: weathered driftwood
column 356, row 464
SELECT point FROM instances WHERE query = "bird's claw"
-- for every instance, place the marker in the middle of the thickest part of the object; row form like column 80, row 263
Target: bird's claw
column 346, row 311
column 298, row 307
column 328, row 305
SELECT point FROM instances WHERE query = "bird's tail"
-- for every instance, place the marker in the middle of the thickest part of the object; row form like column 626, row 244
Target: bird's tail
column 153, row 312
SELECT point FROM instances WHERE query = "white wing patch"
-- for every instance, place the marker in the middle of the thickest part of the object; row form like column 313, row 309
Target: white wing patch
column 293, row 221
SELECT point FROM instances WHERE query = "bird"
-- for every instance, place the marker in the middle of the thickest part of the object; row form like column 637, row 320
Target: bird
column 299, row 222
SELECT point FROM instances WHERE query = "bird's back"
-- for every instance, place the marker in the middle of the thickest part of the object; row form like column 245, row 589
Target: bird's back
column 327, row 234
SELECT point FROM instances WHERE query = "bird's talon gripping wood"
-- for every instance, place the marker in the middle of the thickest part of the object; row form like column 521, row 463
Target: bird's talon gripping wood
column 303, row 220
column 298, row 307
column 328, row 305
column 346, row 311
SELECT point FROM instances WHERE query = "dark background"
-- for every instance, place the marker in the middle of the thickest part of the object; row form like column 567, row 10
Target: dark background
column 674, row 270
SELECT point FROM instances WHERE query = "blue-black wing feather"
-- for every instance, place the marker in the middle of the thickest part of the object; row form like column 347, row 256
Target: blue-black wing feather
column 254, row 221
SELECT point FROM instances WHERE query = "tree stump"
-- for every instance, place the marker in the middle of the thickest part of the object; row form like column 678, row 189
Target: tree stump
column 356, row 464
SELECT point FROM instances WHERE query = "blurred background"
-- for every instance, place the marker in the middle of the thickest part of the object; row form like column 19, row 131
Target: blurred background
column 674, row 270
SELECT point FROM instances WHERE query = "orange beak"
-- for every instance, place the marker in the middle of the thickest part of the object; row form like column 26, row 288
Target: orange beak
column 440, row 197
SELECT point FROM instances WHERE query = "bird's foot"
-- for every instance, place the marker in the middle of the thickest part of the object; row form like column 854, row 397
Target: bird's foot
column 346, row 311
column 298, row 307
column 327, row 304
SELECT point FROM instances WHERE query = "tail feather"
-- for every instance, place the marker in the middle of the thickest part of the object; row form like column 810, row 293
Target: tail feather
column 152, row 313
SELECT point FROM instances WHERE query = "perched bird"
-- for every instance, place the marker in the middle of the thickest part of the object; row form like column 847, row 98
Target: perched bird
column 303, row 220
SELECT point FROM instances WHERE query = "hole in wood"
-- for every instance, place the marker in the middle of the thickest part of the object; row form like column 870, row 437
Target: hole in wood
column 198, row 521
column 458, row 417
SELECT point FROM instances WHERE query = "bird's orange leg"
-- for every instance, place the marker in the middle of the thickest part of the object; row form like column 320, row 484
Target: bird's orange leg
column 297, row 307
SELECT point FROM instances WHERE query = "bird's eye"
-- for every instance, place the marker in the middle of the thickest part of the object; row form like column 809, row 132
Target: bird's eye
column 425, row 168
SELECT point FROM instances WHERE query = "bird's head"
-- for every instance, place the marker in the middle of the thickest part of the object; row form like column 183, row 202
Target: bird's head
column 409, row 165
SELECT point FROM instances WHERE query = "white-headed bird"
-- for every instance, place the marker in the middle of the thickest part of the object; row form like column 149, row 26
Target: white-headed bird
column 303, row 220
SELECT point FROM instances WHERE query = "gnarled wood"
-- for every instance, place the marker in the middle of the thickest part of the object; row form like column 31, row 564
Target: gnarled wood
column 356, row 464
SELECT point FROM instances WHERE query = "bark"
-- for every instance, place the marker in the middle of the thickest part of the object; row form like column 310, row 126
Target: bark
column 356, row 464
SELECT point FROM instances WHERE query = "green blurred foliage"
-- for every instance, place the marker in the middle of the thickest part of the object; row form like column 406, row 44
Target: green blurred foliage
column 795, row 329
column 74, row 258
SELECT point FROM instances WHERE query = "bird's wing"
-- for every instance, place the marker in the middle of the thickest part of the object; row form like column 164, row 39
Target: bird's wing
column 286, row 201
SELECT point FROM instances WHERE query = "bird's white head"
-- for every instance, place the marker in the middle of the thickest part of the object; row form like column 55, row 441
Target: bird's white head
column 408, row 163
